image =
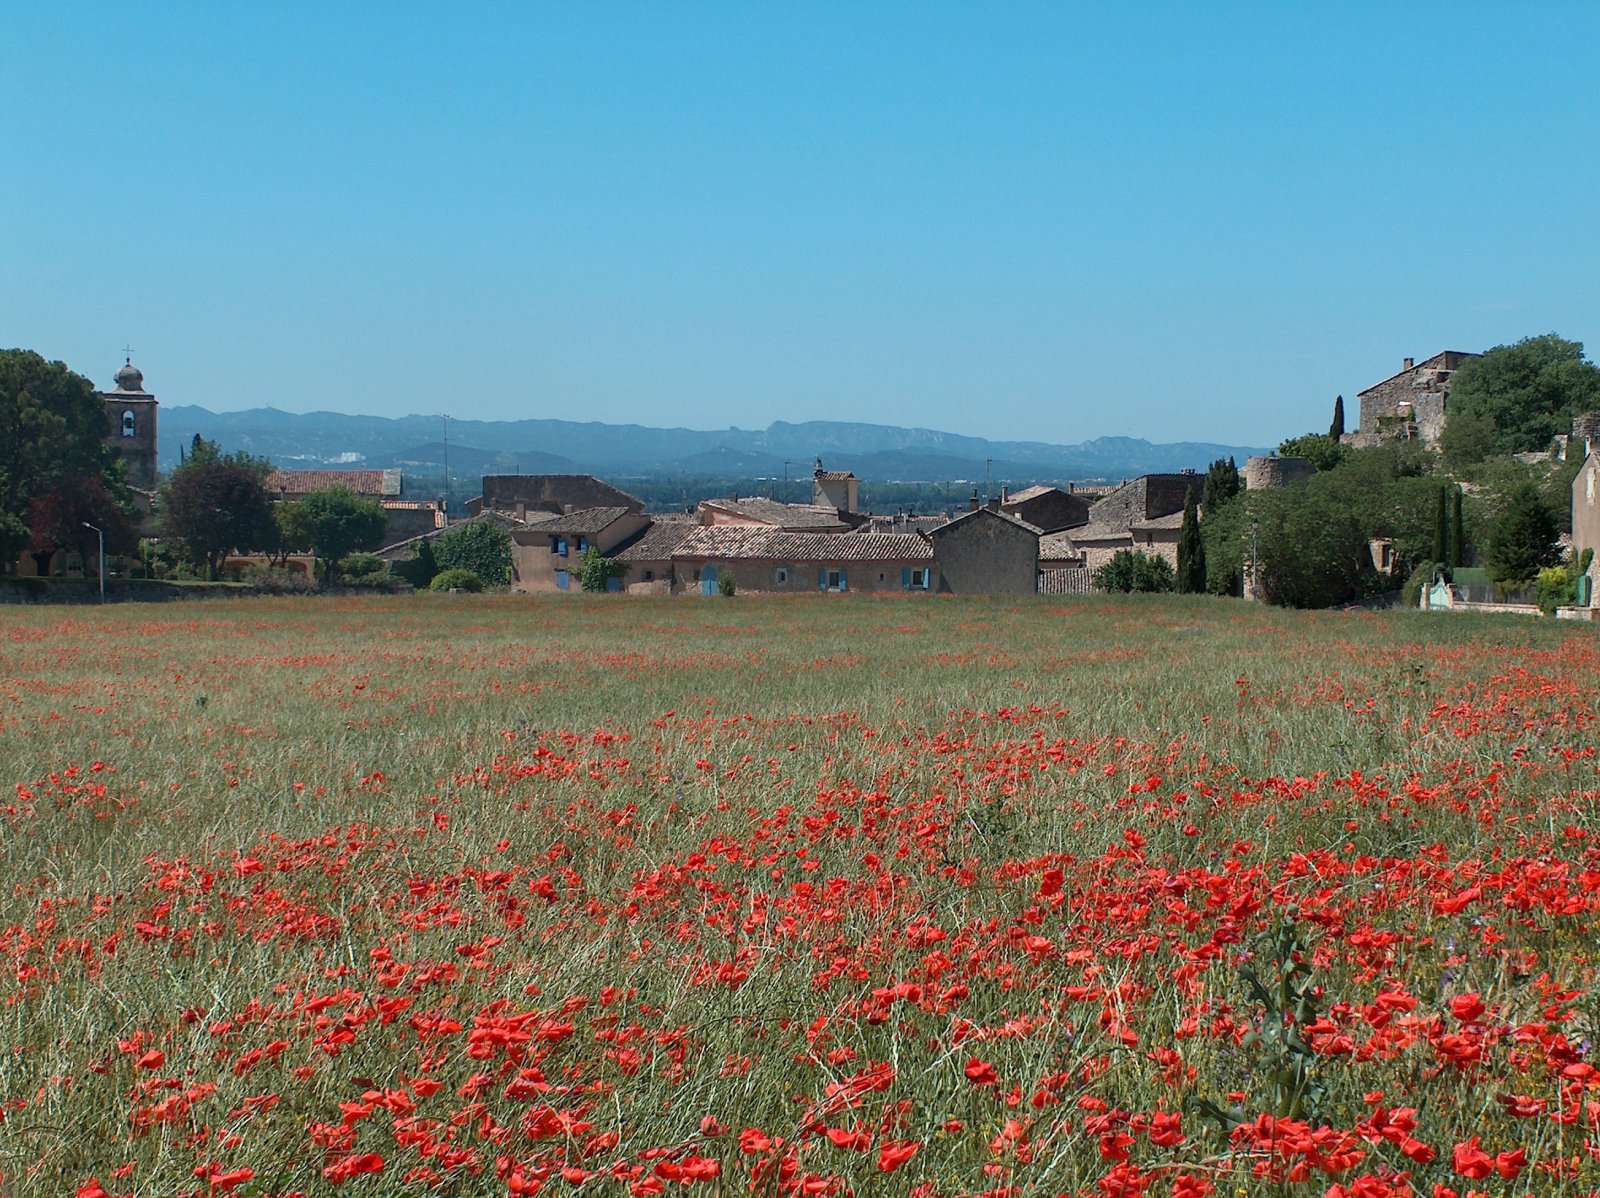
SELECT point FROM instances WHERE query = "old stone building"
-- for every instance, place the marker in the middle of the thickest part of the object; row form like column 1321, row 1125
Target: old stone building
column 775, row 561
column 519, row 494
column 1265, row 472
column 838, row 489
column 1048, row 508
column 987, row 552
column 1586, row 503
column 1147, row 497
column 131, row 417
column 547, row 554
column 1409, row 405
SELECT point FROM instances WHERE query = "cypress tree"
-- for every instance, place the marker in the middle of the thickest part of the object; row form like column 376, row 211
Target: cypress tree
column 1336, row 429
column 1458, row 535
column 1191, row 550
column 1441, row 540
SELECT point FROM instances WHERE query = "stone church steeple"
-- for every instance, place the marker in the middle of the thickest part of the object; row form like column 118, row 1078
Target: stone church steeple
column 131, row 417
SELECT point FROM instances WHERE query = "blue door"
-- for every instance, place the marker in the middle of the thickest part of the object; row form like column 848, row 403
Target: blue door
column 708, row 580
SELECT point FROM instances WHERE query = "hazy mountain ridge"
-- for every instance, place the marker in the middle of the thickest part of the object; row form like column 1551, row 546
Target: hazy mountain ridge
column 874, row 451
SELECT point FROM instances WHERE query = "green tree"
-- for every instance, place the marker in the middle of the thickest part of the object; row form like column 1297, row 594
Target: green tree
column 1516, row 398
column 1225, row 534
column 421, row 569
column 338, row 522
column 1336, row 429
column 1129, row 571
column 213, row 506
column 52, row 437
column 1312, row 548
column 58, row 519
column 1321, row 451
column 1441, row 529
column 479, row 546
column 597, row 570
column 1523, row 540
column 1458, row 534
column 1191, row 550
column 1222, row 484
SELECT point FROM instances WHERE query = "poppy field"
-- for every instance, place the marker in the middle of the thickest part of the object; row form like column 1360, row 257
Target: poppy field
column 462, row 895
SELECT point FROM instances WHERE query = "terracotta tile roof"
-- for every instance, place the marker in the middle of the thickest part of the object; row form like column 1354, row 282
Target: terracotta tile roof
column 362, row 482
column 833, row 476
column 589, row 520
column 1058, row 547
column 656, row 543
column 766, row 544
column 1066, row 582
column 780, row 515
column 905, row 523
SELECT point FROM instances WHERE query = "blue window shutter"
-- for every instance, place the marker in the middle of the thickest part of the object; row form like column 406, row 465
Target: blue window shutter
column 844, row 583
column 561, row 580
column 905, row 577
column 822, row 580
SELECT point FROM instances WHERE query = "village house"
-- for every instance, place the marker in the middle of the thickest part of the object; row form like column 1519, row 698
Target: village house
column 1048, row 508
column 547, row 551
column 773, row 560
column 647, row 557
column 987, row 552
column 518, row 494
column 1409, row 405
column 405, row 517
column 1586, row 514
column 758, row 512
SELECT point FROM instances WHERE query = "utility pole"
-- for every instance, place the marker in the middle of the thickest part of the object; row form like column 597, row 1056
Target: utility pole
column 101, row 557
column 446, row 511
column 988, row 486
column 1254, row 525
column 786, row 465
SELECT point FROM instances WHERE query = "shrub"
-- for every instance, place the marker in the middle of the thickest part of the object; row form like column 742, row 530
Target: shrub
column 420, row 570
column 361, row 565
column 479, row 547
column 726, row 586
column 283, row 582
column 1129, row 571
column 597, row 571
column 456, row 579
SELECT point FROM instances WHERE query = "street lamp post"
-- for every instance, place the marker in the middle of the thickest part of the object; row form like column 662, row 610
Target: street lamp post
column 1254, row 560
column 100, row 557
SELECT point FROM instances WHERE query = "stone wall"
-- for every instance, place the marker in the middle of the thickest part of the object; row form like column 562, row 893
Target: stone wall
column 1412, row 403
column 1261, row 473
column 985, row 553
column 515, row 493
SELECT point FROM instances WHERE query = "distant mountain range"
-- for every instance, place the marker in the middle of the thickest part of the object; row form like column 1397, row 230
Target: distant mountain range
column 416, row 445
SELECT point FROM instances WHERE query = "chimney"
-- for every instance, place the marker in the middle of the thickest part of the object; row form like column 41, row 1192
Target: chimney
column 1407, row 363
column 566, row 509
column 1005, row 494
column 972, row 504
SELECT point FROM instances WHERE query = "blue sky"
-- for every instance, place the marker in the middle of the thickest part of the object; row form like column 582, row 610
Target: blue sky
column 1045, row 222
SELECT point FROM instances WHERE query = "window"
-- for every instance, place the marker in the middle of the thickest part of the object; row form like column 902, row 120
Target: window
column 831, row 580
column 559, row 547
column 914, row 579
column 127, row 423
column 780, row 576
column 649, row 575
column 563, row 580
column 583, row 544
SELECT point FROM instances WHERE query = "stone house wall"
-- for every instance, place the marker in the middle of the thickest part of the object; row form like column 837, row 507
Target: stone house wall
column 986, row 553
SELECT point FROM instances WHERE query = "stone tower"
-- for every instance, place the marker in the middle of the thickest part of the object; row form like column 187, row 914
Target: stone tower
column 131, row 417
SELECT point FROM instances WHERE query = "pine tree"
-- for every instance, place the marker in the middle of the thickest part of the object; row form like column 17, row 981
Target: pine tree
column 1191, row 550
column 1222, row 484
column 1336, row 429
column 1458, row 535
